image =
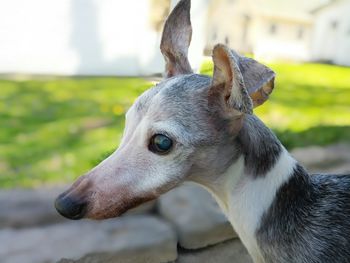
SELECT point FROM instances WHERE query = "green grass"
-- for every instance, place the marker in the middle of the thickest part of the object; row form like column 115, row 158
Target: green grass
column 56, row 129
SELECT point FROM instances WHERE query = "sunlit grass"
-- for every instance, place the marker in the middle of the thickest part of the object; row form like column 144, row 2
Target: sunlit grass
column 308, row 95
column 56, row 129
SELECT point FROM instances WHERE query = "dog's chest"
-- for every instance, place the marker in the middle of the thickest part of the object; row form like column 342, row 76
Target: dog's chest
column 252, row 197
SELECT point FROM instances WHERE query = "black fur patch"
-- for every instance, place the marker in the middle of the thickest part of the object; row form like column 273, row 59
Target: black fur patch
column 259, row 145
column 309, row 221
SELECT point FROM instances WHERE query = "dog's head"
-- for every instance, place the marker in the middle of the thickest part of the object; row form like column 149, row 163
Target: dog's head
column 180, row 129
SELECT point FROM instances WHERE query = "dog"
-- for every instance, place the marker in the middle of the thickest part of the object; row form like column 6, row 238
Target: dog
column 191, row 127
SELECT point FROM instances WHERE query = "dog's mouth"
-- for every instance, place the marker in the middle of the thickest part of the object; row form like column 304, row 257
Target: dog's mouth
column 98, row 205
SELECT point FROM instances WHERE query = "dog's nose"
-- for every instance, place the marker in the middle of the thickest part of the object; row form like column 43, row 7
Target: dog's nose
column 70, row 208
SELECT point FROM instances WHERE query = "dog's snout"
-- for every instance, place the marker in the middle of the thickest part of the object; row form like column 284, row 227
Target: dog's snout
column 70, row 207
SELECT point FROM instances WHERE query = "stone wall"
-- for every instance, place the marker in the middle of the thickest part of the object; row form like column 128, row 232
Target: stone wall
column 184, row 225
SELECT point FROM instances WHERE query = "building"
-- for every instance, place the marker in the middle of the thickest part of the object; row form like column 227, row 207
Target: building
column 269, row 29
column 331, row 34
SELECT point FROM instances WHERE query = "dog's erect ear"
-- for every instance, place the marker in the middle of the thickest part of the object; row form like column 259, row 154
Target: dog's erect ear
column 242, row 76
column 258, row 79
column 228, row 81
column 176, row 39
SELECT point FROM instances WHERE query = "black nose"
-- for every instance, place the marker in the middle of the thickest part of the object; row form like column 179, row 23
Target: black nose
column 70, row 208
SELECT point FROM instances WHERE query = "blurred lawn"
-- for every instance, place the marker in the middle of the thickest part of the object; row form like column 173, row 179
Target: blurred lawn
column 54, row 130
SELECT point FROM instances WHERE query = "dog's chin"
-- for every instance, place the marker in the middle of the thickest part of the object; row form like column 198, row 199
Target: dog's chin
column 101, row 215
column 116, row 211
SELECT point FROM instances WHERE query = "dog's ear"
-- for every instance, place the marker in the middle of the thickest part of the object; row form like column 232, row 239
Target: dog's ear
column 247, row 83
column 258, row 79
column 176, row 39
column 228, row 85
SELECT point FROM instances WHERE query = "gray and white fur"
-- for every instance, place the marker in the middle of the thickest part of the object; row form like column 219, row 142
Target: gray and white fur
column 280, row 212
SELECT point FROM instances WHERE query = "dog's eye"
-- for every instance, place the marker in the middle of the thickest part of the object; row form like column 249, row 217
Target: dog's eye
column 160, row 144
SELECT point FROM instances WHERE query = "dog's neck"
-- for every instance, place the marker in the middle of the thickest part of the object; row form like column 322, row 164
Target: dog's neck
column 247, row 189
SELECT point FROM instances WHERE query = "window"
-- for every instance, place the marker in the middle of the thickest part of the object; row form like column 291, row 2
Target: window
column 300, row 33
column 334, row 24
column 273, row 29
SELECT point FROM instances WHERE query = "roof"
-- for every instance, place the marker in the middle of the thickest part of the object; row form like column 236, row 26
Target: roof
column 296, row 5
column 325, row 5
column 297, row 10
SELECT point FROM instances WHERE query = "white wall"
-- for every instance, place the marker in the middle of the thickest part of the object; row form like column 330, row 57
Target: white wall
column 284, row 43
column 237, row 20
column 99, row 37
column 332, row 44
column 226, row 24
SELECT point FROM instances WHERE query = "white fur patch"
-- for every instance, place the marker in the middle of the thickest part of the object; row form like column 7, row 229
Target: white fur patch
column 252, row 197
column 244, row 199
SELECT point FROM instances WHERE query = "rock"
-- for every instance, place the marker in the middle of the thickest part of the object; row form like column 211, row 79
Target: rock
column 145, row 208
column 197, row 218
column 24, row 208
column 140, row 237
column 137, row 256
column 27, row 208
column 228, row 252
column 331, row 159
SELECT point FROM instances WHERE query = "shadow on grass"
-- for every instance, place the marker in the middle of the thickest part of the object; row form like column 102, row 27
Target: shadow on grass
column 319, row 135
column 305, row 96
